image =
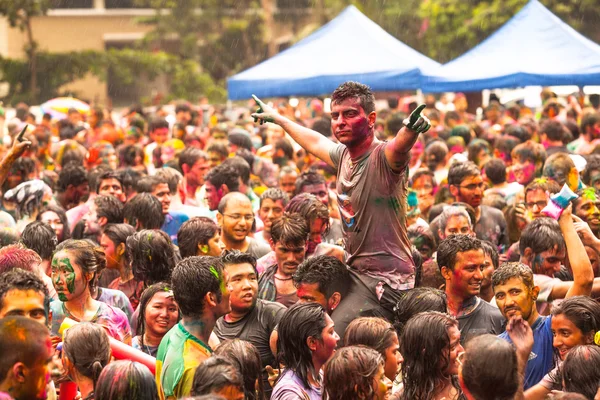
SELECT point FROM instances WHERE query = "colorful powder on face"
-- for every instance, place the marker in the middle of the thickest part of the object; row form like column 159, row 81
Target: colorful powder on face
column 589, row 194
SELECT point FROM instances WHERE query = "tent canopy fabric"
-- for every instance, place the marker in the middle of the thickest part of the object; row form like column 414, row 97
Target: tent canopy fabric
column 533, row 48
column 350, row 47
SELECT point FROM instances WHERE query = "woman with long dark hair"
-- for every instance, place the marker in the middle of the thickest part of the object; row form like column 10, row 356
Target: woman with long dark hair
column 306, row 340
column 126, row 380
column 246, row 358
column 158, row 313
column 86, row 351
column 56, row 217
column 430, row 345
column 581, row 372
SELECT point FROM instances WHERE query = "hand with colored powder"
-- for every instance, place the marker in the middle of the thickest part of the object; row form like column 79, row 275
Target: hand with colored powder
column 264, row 113
column 416, row 122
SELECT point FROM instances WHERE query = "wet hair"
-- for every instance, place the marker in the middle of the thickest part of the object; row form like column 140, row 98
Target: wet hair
column 416, row 230
column 148, row 183
column 194, row 277
column 241, row 166
column 309, row 178
column 453, row 211
column 171, row 177
column 454, row 244
column 489, row 368
column 329, row 273
column 62, row 215
column 193, row 232
column 426, row 356
column 190, row 156
column 300, row 322
column 275, row 194
column 593, row 164
column 530, row 151
column 224, row 174
column 505, row 145
column 215, row 374
column 554, row 130
column 438, row 149
column 582, row 311
column 540, row 235
column 8, row 236
column 145, row 298
column 145, row 209
column 355, row 90
column 219, row 148
column 152, row 256
column 21, row 340
column 495, row 170
column 373, row 332
column 126, row 380
column 309, row 207
column 286, row 147
column 577, row 376
column 109, row 207
column 118, row 233
column 460, row 171
column 475, row 147
column 558, row 167
column 246, row 359
column 415, row 301
column 89, row 257
column 350, row 373
column 109, row 175
column 490, row 250
column 41, row 238
column 71, row 175
column 235, row 257
column 17, row 256
column 542, row 184
column 23, row 280
column 290, row 229
column 87, row 347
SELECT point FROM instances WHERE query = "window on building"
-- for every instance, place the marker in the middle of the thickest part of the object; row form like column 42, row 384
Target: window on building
column 71, row 3
column 124, row 4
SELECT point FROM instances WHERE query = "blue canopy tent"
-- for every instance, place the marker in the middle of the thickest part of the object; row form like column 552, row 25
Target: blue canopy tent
column 533, row 48
column 350, row 47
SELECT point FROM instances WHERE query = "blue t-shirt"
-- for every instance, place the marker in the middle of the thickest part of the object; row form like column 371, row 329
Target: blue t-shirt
column 541, row 359
column 173, row 221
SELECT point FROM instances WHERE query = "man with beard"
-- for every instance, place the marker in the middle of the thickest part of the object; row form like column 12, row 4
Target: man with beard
column 467, row 186
column 235, row 217
column 288, row 240
column 251, row 319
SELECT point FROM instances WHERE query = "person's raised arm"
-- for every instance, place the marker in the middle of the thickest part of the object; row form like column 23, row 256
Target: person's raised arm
column 17, row 149
column 397, row 150
column 312, row 141
column 583, row 274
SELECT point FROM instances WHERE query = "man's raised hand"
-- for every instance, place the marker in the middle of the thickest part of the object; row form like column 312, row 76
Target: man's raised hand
column 416, row 122
column 264, row 113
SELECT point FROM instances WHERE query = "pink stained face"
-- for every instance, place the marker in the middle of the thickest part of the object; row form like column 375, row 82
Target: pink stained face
column 524, row 171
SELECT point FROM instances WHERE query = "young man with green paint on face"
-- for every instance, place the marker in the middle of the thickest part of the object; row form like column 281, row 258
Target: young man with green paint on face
column 201, row 292
column 370, row 172
column 587, row 207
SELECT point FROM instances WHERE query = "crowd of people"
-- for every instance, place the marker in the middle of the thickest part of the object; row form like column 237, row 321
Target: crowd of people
column 289, row 253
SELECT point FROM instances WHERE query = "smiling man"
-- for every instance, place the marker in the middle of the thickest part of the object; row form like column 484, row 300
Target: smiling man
column 371, row 184
column 462, row 260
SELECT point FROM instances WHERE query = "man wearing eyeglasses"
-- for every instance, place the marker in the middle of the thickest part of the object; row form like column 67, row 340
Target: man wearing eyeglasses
column 466, row 185
column 235, row 217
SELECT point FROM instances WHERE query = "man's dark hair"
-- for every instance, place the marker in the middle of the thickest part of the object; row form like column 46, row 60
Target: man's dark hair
column 22, row 167
column 19, row 279
column 215, row 374
column 309, row 207
column 275, row 194
column 511, row 270
column 594, row 100
column 355, row 90
column 94, row 176
column 505, row 145
column 394, row 123
column 438, row 149
column 451, row 116
column 21, row 340
column 519, row 132
column 589, row 119
column 148, row 183
column 234, row 257
column 554, row 130
column 182, row 107
column 193, row 232
column 109, row 175
column 41, row 238
column 495, row 170
column 298, row 323
column 224, row 174
column 309, row 178
column 109, row 207
column 328, row 272
column 540, row 235
column 240, row 139
column 192, row 278
column 229, row 197
column 152, row 256
column 323, row 126
column 118, row 233
column 158, row 123
column 71, row 175
column 460, row 171
column 454, row 244
column 218, row 148
column 462, row 131
column 490, row 250
column 145, row 209
column 190, row 156
column 286, row 147
column 290, row 229
column 593, row 165
column 415, row 301
column 8, row 236
column 241, row 166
